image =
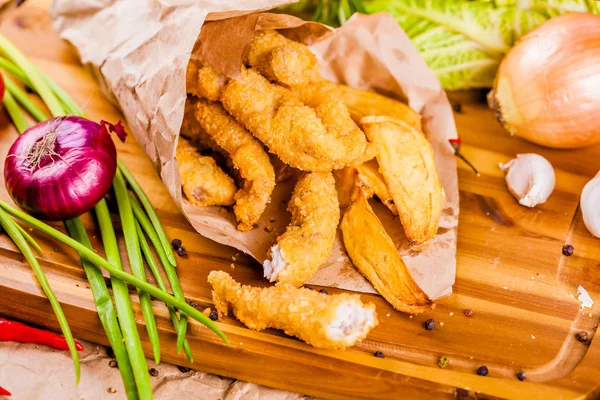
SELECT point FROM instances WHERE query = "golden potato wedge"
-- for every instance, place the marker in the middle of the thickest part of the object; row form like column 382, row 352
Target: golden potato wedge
column 373, row 253
column 407, row 164
column 374, row 183
column 362, row 103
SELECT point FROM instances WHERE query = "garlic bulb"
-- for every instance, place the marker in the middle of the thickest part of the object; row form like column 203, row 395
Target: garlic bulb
column 590, row 205
column 530, row 178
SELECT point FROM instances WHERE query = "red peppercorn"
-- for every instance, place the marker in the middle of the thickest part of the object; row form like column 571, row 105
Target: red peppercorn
column 468, row 312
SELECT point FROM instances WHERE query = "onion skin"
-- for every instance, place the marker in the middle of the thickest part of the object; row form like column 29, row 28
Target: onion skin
column 70, row 183
column 547, row 89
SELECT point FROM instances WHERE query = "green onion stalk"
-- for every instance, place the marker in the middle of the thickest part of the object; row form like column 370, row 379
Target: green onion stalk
column 111, row 269
column 130, row 355
column 102, row 300
column 16, row 235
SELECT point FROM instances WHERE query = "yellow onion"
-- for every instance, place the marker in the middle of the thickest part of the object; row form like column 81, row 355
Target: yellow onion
column 547, row 89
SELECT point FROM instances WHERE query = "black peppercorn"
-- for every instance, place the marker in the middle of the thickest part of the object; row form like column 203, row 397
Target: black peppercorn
column 194, row 304
column 568, row 250
column 379, row 354
column 324, row 291
column 429, row 324
column 185, row 370
column 483, row 370
column 582, row 336
column 181, row 251
column 153, row 372
column 176, row 243
column 521, row 375
column 457, row 107
column 213, row 315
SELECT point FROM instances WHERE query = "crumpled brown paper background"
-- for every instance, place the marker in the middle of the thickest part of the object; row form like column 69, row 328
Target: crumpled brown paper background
column 140, row 50
column 32, row 372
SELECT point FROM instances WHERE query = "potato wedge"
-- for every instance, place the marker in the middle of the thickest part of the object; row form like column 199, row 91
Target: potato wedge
column 374, row 183
column 373, row 253
column 407, row 164
column 362, row 103
column 367, row 176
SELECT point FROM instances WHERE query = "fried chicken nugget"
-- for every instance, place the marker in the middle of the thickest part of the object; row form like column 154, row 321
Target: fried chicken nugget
column 289, row 128
column 204, row 81
column 309, row 238
column 324, row 321
column 373, row 253
column 282, row 60
column 203, row 182
column 248, row 156
column 407, row 164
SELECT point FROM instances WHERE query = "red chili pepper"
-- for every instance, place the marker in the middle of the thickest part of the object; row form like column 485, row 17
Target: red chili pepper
column 17, row 332
column 456, row 143
column 4, row 392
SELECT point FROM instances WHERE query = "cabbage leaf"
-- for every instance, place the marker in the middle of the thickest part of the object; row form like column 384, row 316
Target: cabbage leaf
column 462, row 41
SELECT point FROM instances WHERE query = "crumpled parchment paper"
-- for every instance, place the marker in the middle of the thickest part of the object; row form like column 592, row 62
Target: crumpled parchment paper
column 33, row 372
column 140, row 50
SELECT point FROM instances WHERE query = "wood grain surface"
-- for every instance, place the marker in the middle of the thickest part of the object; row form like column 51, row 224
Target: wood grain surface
column 511, row 273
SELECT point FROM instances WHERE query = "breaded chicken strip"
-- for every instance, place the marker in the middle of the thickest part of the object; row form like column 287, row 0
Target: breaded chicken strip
column 248, row 156
column 324, row 321
column 204, row 183
column 282, row 60
column 289, row 128
column 407, row 163
column 309, row 238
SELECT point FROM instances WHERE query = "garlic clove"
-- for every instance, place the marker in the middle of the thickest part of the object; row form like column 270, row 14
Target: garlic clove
column 590, row 205
column 530, row 178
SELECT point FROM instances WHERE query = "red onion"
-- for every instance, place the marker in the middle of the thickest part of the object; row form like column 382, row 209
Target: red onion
column 61, row 168
column 2, row 88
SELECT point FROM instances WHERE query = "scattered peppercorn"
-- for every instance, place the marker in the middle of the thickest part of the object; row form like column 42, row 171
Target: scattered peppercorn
column 483, row 370
column 185, row 370
column 582, row 336
column 379, row 354
column 324, row 291
column 195, row 305
column 182, row 252
column 213, row 315
column 153, row 372
column 111, row 390
column 521, row 376
column 443, row 362
column 112, row 364
column 568, row 250
column 468, row 312
column 429, row 324
column 176, row 243
column 457, row 107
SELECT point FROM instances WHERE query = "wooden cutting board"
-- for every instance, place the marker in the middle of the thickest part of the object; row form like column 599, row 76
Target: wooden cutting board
column 511, row 273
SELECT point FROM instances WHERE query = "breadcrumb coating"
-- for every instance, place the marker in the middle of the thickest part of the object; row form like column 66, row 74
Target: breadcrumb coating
column 324, row 321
